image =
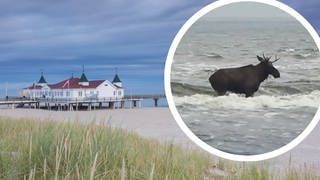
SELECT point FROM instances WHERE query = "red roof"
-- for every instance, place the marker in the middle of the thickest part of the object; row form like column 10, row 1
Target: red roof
column 73, row 83
column 34, row 87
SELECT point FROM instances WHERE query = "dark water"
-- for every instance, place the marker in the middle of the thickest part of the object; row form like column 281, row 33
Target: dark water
column 281, row 108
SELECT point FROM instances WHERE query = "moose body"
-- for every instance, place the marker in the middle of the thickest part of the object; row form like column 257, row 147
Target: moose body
column 243, row 80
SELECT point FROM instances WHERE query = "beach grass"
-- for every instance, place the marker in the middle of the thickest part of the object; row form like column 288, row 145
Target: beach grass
column 263, row 171
column 305, row 171
column 46, row 149
column 34, row 149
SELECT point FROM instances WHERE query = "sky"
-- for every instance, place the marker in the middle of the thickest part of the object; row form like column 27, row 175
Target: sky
column 58, row 37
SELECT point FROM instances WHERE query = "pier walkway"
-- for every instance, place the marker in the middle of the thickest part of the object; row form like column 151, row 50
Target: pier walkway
column 71, row 104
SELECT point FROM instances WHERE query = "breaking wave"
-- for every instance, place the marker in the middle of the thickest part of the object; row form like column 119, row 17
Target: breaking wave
column 184, row 89
column 235, row 101
column 305, row 55
column 213, row 55
column 271, row 89
column 299, row 53
column 287, row 50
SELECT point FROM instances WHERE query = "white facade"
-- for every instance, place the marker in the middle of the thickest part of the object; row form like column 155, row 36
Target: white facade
column 74, row 89
column 107, row 89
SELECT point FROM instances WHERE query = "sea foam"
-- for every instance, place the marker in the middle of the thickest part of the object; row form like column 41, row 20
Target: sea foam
column 235, row 101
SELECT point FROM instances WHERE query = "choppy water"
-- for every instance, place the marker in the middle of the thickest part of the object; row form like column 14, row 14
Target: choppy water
column 281, row 108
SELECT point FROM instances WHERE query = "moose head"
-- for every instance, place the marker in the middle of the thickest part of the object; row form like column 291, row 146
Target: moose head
column 268, row 65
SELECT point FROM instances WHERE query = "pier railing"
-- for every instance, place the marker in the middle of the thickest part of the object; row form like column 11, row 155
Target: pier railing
column 21, row 101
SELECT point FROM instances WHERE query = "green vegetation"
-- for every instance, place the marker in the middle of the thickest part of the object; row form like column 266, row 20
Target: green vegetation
column 51, row 150
column 35, row 149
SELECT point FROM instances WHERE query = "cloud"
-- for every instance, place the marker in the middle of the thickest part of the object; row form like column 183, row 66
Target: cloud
column 76, row 28
column 309, row 9
column 72, row 29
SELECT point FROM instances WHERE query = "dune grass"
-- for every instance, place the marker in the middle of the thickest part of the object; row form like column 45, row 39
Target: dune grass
column 50, row 150
column 35, row 149
column 304, row 171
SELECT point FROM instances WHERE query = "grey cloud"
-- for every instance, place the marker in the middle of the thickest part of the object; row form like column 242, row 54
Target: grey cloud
column 69, row 29
column 38, row 28
column 309, row 9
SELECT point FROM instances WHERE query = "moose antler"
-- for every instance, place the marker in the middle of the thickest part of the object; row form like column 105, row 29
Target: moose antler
column 276, row 59
column 266, row 58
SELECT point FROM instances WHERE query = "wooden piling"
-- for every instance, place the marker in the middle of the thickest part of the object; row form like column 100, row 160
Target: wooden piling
column 111, row 105
column 155, row 102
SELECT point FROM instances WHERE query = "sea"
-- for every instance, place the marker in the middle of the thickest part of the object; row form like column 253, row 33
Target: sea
column 277, row 113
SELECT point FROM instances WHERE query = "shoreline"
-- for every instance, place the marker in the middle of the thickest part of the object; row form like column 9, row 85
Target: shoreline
column 158, row 123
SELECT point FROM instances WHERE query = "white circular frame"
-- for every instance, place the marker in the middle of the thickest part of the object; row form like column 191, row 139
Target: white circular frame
column 183, row 126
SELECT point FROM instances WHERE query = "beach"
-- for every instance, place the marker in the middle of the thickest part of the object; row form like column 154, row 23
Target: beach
column 158, row 123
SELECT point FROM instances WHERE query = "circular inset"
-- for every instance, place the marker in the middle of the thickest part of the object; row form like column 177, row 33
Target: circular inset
column 232, row 39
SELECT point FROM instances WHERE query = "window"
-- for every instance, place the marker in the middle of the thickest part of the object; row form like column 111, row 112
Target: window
column 114, row 93
column 80, row 93
column 119, row 93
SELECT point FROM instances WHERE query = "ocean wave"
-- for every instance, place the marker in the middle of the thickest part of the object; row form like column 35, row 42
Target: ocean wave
column 235, row 101
column 286, row 50
column 184, row 89
column 206, row 137
column 305, row 55
column 213, row 55
column 277, row 89
column 299, row 53
column 289, row 88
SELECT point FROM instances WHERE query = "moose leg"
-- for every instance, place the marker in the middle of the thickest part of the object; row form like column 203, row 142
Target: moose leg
column 221, row 93
column 249, row 94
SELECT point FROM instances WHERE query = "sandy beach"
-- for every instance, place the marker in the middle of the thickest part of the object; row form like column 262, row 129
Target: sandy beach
column 158, row 123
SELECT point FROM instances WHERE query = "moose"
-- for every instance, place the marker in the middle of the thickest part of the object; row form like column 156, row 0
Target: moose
column 243, row 80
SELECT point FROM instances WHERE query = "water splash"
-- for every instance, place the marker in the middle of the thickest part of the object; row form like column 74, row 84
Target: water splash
column 235, row 101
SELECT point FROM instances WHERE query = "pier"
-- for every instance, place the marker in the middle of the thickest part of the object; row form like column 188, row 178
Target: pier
column 154, row 97
column 19, row 103
column 74, row 104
